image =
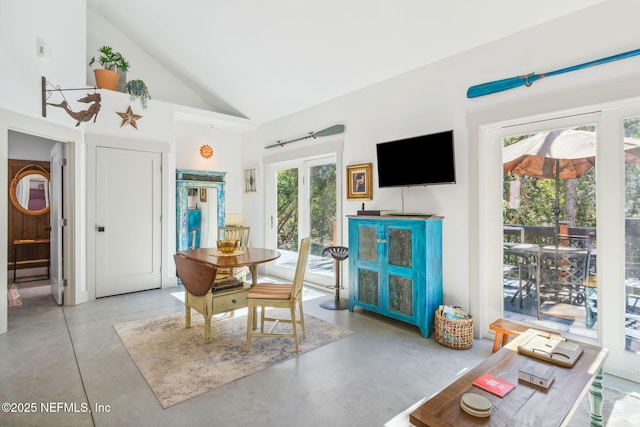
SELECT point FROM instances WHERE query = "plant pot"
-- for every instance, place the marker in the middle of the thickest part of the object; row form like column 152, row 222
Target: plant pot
column 107, row 79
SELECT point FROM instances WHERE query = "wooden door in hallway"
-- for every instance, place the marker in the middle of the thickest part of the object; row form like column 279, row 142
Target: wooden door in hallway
column 128, row 221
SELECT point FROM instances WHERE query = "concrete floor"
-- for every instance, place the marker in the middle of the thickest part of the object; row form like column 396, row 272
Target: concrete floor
column 71, row 359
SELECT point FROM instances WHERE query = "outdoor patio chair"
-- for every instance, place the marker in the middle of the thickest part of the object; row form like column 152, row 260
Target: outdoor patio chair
column 563, row 274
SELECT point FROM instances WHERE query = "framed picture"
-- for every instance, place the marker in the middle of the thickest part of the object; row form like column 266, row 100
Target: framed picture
column 250, row 184
column 359, row 186
column 203, row 195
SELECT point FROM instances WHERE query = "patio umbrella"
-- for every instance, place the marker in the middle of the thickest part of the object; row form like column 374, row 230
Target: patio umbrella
column 559, row 154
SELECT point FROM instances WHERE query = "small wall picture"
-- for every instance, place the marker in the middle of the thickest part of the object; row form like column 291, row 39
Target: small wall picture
column 359, row 185
column 250, row 184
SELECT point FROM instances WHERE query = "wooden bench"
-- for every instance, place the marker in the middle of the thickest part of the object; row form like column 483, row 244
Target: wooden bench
column 506, row 328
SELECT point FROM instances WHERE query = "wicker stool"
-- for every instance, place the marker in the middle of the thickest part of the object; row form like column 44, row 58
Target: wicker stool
column 339, row 254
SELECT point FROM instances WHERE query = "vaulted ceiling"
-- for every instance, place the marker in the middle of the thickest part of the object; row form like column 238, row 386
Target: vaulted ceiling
column 265, row 59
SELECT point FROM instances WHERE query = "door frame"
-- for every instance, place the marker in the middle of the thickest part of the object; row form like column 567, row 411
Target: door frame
column 167, row 239
column 57, row 172
column 309, row 153
column 73, row 293
column 610, row 199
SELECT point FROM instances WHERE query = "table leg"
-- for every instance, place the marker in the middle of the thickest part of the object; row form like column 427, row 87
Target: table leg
column 254, row 281
column 595, row 400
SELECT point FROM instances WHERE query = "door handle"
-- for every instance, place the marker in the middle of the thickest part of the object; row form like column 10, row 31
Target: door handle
column 100, row 229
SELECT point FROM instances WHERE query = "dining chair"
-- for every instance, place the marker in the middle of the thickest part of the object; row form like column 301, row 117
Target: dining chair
column 274, row 295
column 197, row 278
column 563, row 275
column 242, row 235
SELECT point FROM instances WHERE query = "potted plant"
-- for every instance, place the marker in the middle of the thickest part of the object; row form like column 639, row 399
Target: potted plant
column 112, row 62
column 138, row 89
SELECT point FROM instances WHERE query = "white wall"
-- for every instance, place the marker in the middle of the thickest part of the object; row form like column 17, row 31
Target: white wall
column 23, row 146
column 162, row 84
column 227, row 155
column 62, row 25
column 433, row 98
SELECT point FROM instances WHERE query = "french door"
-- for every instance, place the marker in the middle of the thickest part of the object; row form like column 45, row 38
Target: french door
column 606, row 308
column 304, row 202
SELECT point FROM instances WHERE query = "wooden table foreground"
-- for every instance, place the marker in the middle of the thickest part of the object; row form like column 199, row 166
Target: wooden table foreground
column 525, row 405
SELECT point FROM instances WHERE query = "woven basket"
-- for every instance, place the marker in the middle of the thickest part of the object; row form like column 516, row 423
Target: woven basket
column 454, row 333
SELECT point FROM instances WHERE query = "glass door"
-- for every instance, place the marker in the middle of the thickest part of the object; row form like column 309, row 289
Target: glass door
column 306, row 197
column 606, row 308
column 549, row 229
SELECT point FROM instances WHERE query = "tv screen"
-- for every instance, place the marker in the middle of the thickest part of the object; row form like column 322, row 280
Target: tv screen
column 421, row 160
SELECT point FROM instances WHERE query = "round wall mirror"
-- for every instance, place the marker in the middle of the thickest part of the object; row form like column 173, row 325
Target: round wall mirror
column 29, row 192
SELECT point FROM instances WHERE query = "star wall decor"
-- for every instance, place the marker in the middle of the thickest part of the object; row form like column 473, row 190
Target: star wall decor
column 128, row 118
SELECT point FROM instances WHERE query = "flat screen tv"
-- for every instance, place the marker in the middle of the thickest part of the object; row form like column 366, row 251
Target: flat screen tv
column 421, row 160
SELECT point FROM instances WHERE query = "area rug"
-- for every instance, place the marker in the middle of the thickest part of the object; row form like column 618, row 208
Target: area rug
column 178, row 365
column 13, row 296
column 618, row 409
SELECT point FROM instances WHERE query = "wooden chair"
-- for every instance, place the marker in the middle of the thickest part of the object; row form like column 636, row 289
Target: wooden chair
column 289, row 296
column 242, row 235
column 197, row 278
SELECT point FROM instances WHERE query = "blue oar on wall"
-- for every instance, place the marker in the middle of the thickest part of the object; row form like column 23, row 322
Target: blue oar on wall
column 529, row 79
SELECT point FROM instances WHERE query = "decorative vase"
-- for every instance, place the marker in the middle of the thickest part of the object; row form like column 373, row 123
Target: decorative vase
column 107, row 79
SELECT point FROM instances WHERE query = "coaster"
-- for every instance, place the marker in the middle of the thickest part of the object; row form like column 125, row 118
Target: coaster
column 234, row 253
column 476, row 405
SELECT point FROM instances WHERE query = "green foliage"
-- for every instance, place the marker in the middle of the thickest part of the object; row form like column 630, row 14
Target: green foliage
column 323, row 206
column 322, row 200
column 287, row 209
column 110, row 60
column 138, row 89
column 538, row 198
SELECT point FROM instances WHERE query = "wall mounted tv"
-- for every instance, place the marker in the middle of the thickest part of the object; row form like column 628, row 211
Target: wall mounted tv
column 421, row 160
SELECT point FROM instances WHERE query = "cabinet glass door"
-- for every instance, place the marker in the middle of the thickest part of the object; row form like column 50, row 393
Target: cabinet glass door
column 399, row 274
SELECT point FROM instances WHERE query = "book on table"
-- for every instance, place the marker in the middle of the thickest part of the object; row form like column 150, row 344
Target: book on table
column 493, row 384
column 537, row 373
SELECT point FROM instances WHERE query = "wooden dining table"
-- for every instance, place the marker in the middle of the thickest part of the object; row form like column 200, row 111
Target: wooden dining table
column 250, row 257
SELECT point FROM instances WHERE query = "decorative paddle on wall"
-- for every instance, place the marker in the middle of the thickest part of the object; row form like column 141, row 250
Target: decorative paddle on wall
column 333, row 130
column 529, row 79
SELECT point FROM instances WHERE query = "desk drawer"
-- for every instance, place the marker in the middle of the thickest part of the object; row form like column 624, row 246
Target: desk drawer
column 229, row 301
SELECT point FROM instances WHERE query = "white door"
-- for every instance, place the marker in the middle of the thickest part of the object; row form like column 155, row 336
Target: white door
column 128, row 221
column 306, row 198
column 614, row 284
column 56, row 216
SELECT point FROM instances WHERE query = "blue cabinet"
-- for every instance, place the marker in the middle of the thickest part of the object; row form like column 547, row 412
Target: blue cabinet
column 395, row 267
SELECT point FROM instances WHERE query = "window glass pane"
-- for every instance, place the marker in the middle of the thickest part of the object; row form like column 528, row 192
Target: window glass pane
column 287, row 187
column 632, row 234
